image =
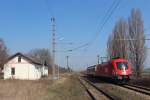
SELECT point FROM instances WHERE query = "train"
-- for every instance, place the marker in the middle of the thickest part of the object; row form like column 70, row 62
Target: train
column 118, row 70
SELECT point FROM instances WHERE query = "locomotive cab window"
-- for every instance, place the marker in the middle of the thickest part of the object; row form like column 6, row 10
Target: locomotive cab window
column 122, row 65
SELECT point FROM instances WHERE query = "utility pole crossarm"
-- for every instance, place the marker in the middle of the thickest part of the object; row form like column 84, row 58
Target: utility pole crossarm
column 132, row 39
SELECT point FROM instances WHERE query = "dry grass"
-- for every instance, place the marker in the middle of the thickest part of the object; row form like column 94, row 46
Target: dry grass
column 67, row 88
column 142, row 82
column 24, row 90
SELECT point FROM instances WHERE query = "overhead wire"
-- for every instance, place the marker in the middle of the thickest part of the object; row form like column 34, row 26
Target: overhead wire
column 49, row 8
column 108, row 14
column 104, row 20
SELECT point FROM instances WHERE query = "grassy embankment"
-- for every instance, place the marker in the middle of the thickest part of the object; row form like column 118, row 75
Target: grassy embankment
column 67, row 88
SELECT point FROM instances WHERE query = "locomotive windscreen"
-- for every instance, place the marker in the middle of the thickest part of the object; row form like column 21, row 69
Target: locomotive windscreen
column 122, row 65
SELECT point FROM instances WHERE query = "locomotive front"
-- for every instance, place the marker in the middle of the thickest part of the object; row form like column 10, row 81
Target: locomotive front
column 122, row 70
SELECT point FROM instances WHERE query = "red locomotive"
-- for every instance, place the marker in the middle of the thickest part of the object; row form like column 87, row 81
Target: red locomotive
column 117, row 69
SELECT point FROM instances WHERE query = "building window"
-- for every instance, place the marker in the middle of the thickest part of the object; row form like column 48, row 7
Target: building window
column 12, row 71
column 19, row 58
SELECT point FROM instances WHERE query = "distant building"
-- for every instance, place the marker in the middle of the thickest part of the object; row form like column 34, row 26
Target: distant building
column 22, row 67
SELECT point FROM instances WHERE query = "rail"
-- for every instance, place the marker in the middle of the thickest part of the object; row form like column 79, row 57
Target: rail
column 109, row 96
column 87, row 90
column 137, row 86
column 137, row 89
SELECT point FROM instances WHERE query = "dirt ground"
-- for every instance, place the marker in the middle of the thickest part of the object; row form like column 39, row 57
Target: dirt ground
column 145, row 81
column 67, row 88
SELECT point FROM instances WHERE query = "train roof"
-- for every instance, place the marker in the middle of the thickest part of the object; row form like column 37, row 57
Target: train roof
column 119, row 59
column 109, row 61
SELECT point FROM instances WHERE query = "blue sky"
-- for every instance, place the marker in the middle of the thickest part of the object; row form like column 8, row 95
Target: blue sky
column 25, row 25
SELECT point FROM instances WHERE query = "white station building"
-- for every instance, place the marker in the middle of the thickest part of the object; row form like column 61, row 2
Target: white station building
column 22, row 67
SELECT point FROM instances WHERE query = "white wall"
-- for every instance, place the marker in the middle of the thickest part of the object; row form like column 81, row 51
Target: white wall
column 44, row 71
column 23, row 70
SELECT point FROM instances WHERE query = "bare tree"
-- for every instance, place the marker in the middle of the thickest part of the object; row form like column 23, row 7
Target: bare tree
column 42, row 56
column 137, row 43
column 3, row 53
column 115, row 46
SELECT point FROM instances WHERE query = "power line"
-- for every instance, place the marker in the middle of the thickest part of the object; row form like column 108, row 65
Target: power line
column 76, row 48
column 132, row 39
column 107, row 12
column 105, row 19
column 49, row 8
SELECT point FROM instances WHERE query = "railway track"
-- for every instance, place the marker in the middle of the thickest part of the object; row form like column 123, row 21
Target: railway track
column 136, row 88
column 87, row 90
column 109, row 96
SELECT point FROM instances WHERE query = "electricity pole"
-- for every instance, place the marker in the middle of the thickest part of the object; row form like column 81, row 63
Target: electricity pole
column 67, row 62
column 103, row 59
column 53, row 47
column 98, row 59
